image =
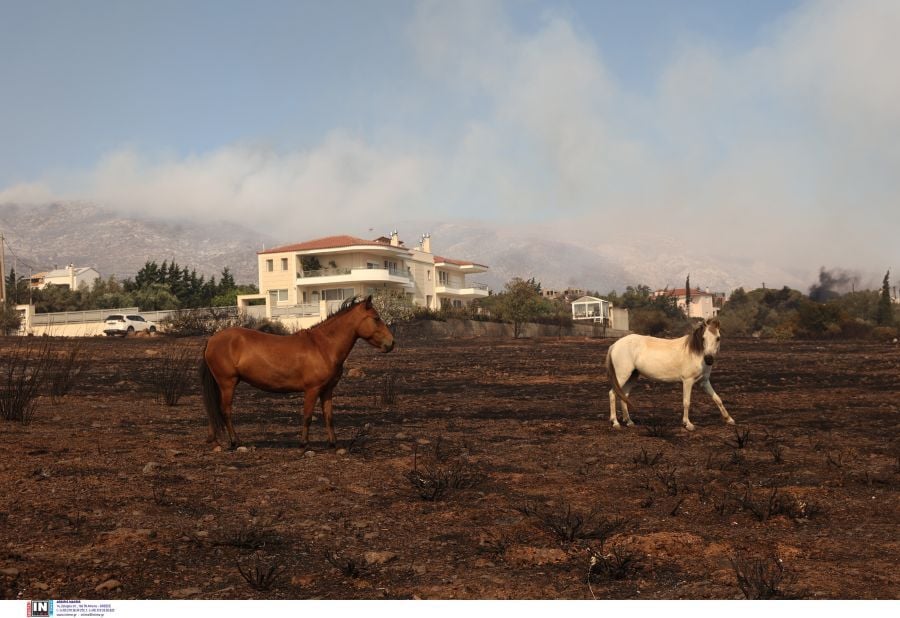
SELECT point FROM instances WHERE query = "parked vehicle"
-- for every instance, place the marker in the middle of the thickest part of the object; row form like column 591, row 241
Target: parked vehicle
column 122, row 325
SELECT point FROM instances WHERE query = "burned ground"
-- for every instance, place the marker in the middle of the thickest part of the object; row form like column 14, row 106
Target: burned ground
column 466, row 469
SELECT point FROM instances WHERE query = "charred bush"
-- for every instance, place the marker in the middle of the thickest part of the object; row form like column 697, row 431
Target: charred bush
column 759, row 578
column 658, row 429
column 432, row 483
column 387, row 393
column 260, row 572
column 172, row 375
column 569, row 525
column 348, row 567
column 199, row 322
column 618, row 564
column 645, row 459
column 23, row 370
column 245, row 537
column 741, row 439
column 64, row 369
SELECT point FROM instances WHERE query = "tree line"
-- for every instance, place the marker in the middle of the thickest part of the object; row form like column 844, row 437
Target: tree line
column 154, row 287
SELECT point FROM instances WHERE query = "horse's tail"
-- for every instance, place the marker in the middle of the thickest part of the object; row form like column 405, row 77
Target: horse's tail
column 613, row 380
column 212, row 398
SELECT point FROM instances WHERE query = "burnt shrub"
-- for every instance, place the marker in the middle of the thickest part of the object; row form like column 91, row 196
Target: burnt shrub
column 619, row 563
column 199, row 322
column 759, row 578
column 64, row 369
column 259, row 571
column 171, row 376
column 23, row 370
column 569, row 525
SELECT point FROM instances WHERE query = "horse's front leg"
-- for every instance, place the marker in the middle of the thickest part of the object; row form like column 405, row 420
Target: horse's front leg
column 326, row 413
column 707, row 386
column 309, row 405
column 686, row 402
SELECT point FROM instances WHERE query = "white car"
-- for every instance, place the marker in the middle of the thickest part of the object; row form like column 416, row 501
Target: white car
column 122, row 325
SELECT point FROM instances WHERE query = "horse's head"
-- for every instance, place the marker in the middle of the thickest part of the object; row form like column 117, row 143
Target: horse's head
column 373, row 329
column 705, row 340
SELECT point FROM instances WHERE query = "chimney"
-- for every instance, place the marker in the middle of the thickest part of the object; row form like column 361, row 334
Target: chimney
column 426, row 243
column 395, row 239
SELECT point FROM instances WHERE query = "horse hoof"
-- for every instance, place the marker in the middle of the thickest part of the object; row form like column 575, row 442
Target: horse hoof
column 630, row 423
column 617, row 427
column 730, row 421
column 689, row 426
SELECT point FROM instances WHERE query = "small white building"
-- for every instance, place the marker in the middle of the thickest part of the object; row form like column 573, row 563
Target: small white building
column 591, row 308
column 704, row 304
column 71, row 276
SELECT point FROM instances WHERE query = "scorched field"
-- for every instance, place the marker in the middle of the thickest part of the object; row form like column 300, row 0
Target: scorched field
column 469, row 468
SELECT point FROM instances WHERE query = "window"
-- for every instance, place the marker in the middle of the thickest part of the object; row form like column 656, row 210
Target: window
column 278, row 296
column 284, row 263
column 443, row 277
column 270, row 265
column 339, row 293
column 429, row 275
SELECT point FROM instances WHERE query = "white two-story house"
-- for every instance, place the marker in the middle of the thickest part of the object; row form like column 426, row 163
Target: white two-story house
column 312, row 278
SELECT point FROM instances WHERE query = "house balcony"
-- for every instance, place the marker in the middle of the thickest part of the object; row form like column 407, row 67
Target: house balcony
column 342, row 276
column 472, row 290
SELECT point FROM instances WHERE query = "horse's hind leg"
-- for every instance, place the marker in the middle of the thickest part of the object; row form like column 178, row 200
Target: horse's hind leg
column 626, row 388
column 227, row 391
column 718, row 401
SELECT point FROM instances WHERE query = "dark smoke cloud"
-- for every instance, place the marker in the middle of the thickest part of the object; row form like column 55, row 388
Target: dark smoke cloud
column 832, row 283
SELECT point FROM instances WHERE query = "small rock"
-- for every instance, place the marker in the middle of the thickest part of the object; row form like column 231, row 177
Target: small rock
column 356, row 372
column 11, row 572
column 242, row 449
column 183, row 593
column 591, row 460
column 150, row 467
column 40, row 586
column 419, row 569
column 341, row 451
column 302, row 580
column 323, row 479
column 378, row 557
column 423, row 441
column 109, row 584
column 309, row 454
column 56, row 419
column 400, row 436
column 217, row 449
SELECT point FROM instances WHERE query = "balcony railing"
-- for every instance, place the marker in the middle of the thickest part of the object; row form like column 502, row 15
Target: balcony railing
column 336, row 272
column 467, row 286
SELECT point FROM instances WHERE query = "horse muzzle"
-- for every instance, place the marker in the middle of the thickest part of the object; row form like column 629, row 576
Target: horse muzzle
column 709, row 359
column 387, row 347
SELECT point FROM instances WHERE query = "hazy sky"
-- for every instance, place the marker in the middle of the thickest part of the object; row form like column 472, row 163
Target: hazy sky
column 766, row 129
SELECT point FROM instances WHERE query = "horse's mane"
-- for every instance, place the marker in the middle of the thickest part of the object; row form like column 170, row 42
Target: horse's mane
column 695, row 340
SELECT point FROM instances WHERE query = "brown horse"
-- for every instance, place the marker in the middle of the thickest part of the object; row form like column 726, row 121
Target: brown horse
column 310, row 361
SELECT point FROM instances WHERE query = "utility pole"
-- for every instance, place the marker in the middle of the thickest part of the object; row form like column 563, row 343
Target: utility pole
column 2, row 269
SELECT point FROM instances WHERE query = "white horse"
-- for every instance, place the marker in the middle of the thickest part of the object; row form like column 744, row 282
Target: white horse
column 688, row 359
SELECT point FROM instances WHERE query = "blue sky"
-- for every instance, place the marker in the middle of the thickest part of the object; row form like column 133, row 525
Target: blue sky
column 758, row 119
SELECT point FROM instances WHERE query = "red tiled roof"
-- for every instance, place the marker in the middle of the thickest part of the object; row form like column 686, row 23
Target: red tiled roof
column 438, row 260
column 328, row 242
column 682, row 292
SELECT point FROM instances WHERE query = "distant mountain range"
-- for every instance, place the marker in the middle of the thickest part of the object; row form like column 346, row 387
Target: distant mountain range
column 55, row 235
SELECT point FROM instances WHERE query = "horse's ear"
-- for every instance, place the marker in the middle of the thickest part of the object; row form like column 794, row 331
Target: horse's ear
column 369, row 301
